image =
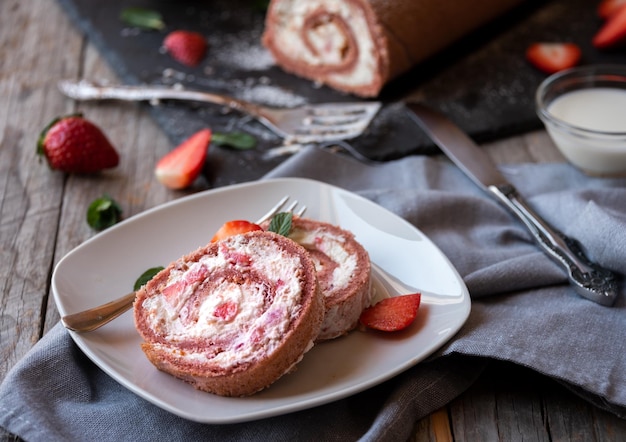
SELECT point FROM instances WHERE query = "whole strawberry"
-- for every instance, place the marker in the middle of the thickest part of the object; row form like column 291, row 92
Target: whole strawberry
column 75, row 145
column 186, row 47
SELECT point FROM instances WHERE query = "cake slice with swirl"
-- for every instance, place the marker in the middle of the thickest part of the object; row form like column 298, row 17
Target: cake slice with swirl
column 343, row 272
column 234, row 316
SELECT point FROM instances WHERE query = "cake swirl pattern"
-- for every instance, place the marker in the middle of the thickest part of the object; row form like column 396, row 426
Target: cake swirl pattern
column 357, row 46
column 233, row 316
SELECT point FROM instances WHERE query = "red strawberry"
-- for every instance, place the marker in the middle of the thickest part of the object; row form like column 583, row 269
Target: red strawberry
column 186, row 47
column 553, row 57
column 392, row 314
column 181, row 166
column 613, row 32
column 234, row 227
column 607, row 8
column 73, row 144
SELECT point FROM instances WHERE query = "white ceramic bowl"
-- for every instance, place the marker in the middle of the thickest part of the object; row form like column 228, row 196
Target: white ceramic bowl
column 584, row 111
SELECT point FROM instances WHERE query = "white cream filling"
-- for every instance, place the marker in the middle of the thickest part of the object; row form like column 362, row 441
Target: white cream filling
column 246, row 301
column 333, row 247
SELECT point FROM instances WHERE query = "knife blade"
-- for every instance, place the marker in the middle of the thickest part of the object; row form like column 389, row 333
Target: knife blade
column 589, row 280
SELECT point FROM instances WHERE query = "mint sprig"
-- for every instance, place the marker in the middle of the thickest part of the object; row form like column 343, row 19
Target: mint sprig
column 236, row 140
column 103, row 212
column 143, row 18
column 281, row 223
column 146, row 276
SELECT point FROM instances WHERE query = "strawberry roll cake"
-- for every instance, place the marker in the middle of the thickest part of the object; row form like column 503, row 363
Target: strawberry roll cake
column 357, row 46
column 234, row 316
column 343, row 272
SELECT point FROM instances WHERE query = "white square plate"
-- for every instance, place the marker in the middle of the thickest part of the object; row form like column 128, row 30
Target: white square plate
column 404, row 261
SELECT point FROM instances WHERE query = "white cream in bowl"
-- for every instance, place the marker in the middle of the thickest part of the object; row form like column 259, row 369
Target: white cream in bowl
column 598, row 109
column 584, row 111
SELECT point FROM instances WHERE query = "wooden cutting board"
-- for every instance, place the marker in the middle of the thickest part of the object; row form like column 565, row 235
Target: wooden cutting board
column 483, row 82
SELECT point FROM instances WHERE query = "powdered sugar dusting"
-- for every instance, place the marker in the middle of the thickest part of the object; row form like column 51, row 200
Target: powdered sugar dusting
column 271, row 95
column 242, row 51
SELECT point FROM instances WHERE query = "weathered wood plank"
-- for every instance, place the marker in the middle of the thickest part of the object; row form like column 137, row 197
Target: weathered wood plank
column 433, row 428
column 505, row 404
column 572, row 419
column 36, row 45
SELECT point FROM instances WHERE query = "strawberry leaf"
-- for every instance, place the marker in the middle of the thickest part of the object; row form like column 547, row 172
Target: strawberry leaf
column 236, row 140
column 103, row 212
column 281, row 223
column 146, row 276
column 142, row 18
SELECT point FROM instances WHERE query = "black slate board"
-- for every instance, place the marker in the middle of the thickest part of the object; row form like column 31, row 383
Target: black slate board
column 483, row 82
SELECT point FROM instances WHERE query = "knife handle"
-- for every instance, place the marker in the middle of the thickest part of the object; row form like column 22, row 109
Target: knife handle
column 590, row 280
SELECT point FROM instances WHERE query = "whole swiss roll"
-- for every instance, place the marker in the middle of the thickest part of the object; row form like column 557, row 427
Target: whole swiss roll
column 358, row 46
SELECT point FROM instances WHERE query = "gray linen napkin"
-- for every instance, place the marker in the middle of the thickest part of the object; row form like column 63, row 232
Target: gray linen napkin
column 523, row 311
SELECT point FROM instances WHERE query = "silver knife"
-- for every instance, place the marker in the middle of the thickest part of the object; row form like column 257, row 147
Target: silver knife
column 589, row 279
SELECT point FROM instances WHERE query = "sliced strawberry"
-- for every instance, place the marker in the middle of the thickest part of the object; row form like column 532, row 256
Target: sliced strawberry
column 392, row 314
column 613, row 32
column 607, row 8
column 553, row 57
column 181, row 166
column 226, row 311
column 186, row 47
column 234, row 227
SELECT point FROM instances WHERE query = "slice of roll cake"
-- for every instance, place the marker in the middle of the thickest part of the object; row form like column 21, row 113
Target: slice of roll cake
column 343, row 272
column 234, row 316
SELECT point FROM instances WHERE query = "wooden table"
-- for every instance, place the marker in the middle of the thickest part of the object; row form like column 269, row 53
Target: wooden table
column 42, row 218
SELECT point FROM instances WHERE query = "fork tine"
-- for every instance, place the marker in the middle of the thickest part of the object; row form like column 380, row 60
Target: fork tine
column 291, row 208
column 332, row 120
column 300, row 211
column 327, row 133
column 343, row 109
column 273, row 210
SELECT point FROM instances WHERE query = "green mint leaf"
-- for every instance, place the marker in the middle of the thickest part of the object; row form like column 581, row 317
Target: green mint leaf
column 142, row 18
column 236, row 140
column 103, row 212
column 281, row 223
column 145, row 277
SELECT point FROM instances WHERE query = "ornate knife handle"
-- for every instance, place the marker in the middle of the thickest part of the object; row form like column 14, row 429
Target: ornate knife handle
column 589, row 279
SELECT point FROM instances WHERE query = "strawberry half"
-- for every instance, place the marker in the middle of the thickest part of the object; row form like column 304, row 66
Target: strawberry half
column 606, row 8
column 553, row 57
column 234, row 227
column 392, row 314
column 613, row 32
column 186, row 47
column 181, row 166
column 75, row 145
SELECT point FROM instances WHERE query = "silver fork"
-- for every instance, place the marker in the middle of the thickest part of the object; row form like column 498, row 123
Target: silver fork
column 303, row 124
column 94, row 318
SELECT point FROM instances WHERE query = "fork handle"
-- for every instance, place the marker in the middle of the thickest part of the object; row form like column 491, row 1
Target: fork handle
column 89, row 320
column 84, row 90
